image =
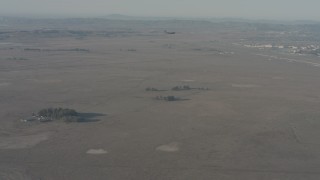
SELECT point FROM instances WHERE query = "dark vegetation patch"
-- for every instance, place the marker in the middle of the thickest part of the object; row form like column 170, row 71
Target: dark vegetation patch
column 170, row 98
column 177, row 88
column 62, row 114
column 58, row 113
column 186, row 87
column 48, row 50
column 181, row 88
column 154, row 89
column 17, row 59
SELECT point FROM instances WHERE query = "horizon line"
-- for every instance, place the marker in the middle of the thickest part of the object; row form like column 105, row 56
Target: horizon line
column 114, row 15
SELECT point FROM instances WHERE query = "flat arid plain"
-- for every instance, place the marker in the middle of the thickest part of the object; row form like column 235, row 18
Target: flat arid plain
column 251, row 113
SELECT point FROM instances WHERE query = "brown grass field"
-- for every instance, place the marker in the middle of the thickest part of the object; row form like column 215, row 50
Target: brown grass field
column 259, row 118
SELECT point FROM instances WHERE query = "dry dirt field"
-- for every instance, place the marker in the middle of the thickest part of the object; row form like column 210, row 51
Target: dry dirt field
column 259, row 118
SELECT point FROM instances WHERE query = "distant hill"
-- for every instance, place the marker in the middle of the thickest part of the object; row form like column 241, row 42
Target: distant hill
column 119, row 17
column 125, row 17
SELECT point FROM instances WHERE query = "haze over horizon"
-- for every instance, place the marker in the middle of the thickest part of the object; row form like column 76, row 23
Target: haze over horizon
column 252, row 9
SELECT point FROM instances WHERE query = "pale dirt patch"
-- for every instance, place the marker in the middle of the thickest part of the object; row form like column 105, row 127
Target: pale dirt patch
column 21, row 142
column 171, row 147
column 97, row 151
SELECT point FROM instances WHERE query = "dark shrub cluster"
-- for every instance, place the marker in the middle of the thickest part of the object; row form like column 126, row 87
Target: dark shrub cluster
column 168, row 98
column 151, row 89
column 181, row 88
column 58, row 113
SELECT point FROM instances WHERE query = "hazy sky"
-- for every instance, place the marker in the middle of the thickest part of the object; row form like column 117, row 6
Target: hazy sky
column 268, row 9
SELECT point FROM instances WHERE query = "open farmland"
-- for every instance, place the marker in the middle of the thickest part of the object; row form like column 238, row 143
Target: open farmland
column 249, row 114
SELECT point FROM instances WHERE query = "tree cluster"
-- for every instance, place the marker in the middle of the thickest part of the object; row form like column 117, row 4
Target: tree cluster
column 168, row 98
column 181, row 88
column 57, row 113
